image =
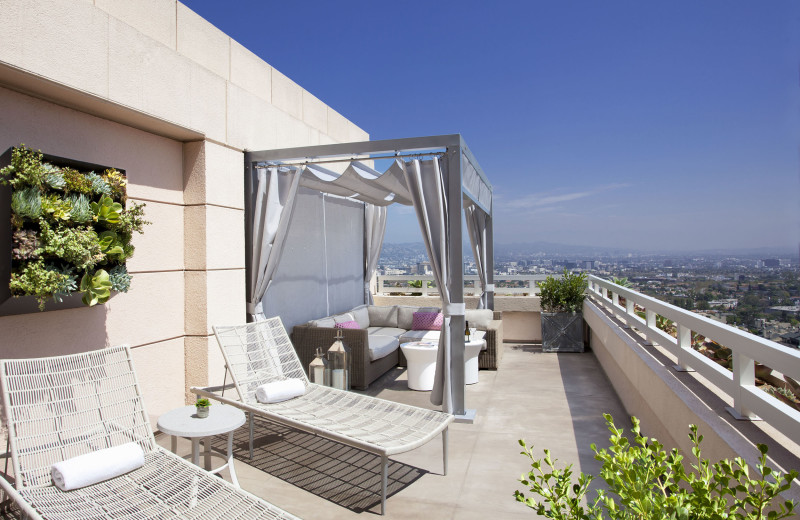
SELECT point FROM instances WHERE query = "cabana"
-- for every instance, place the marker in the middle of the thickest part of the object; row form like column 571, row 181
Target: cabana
column 438, row 175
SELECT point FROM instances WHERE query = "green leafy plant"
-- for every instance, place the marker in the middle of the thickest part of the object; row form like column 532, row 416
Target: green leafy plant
column 117, row 183
column 564, row 294
column 96, row 288
column 111, row 245
column 35, row 279
column 202, row 403
column 55, row 209
column 80, row 246
column 76, row 182
column 647, row 482
column 25, row 170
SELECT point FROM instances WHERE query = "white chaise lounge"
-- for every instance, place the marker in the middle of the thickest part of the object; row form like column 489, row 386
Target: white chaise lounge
column 261, row 352
column 61, row 407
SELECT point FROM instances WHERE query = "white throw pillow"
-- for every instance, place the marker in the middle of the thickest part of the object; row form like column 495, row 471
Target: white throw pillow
column 382, row 316
column 361, row 314
column 479, row 318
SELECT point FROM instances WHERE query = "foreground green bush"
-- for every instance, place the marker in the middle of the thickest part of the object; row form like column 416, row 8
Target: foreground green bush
column 645, row 482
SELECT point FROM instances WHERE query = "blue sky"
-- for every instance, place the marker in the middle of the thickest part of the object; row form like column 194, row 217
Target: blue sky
column 667, row 125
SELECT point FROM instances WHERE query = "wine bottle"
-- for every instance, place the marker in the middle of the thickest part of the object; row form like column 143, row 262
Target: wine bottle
column 466, row 332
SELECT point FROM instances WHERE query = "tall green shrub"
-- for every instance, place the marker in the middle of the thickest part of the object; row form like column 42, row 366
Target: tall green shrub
column 563, row 294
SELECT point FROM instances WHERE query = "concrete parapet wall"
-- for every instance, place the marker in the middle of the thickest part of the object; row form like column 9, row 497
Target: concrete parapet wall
column 667, row 401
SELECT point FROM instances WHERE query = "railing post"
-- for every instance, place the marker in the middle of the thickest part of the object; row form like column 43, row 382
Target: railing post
column 744, row 374
column 684, row 344
column 630, row 312
column 604, row 292
column 650, row 323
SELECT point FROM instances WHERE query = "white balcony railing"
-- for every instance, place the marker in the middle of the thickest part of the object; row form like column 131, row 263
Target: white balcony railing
column 503, row 284
column 749, row 401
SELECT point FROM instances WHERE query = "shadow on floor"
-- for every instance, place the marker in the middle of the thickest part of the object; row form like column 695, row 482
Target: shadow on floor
column 346, row 476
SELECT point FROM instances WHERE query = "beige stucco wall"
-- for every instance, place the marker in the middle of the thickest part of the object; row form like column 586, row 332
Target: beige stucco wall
column 153, row 88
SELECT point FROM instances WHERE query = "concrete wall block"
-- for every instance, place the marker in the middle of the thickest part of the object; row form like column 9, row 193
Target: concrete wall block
column 250, row 72
column 226, row 298
column 224, row 238
column 315, row 112
column 356, row 134
column 161, row 384
column 291, row 131
column 251, row 121
column 148, row 76
column 155, row 18
column 225, row 177
column 287, row 95
column 196, row 365
column 195, row 236
column 194, row 172
column 200, row 41
column 59, row 39
column 207, row 103
column 160, row 247
column 338, row 126
column 151, row 311
column 196, row 317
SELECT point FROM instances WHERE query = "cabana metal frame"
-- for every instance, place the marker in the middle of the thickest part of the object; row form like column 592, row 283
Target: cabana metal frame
column 461, row 165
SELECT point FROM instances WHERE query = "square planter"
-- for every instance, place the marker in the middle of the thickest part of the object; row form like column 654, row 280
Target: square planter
column 562, row 332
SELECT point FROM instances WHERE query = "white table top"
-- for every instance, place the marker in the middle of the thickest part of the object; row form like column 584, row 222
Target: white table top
column 476, row 338
column 184, row 422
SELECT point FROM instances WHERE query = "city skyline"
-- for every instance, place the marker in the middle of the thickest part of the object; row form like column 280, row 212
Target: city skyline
column 659, row 126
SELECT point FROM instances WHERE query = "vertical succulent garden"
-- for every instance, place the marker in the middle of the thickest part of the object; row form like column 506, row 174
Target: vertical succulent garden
column 71, row 230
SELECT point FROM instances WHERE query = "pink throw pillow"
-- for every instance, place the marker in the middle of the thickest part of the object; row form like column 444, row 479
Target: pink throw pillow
column 427, row 321
column 347, row 325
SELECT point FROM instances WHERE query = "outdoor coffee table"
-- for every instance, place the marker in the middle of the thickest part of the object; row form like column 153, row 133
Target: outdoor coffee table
column 183, row 422
column 421, row 357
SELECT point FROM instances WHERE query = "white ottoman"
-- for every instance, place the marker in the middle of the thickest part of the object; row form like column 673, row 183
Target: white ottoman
column 421, row 357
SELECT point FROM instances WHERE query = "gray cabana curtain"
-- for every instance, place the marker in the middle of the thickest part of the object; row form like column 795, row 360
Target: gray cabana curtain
column 275, row 190
column 476, row 227
column 425, row 180
column 374, row 231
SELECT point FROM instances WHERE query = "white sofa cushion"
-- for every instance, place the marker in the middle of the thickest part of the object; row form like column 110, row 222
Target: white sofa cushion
column 361, row 314
column 420, row 335
column 386, row 331
column 341, row 318
column 381, row 346
column 323, row 322
column 405, row 315
column 479, row 318
column 380, row 316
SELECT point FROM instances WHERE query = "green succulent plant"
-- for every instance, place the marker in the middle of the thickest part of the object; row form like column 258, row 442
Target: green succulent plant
column 111, row 245
column 56, row 209
column 119, row 278
column 53, row 177
column 80, row 246
column 81, row 208
column 99, row 185
column 96, row 288
column 76, row 182
column 69, row 283
column 106, row 210
column 27, row 203
column 25, row 244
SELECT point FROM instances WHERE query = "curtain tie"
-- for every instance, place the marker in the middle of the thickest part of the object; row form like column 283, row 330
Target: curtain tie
column 455, row 309
column 489, row 287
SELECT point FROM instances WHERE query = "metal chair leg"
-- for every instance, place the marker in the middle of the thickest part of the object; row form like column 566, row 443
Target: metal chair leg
column 251, row 435
column 384, row 481
column 445, row 435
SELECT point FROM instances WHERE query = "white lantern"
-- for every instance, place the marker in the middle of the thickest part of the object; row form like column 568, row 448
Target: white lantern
column 318, row 371
column 339, row 363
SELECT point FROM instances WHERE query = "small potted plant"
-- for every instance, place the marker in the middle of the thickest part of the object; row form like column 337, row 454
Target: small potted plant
column 202, row 407
column 562, row 316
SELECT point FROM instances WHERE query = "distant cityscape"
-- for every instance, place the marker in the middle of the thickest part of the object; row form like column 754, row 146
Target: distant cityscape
column 758, row 291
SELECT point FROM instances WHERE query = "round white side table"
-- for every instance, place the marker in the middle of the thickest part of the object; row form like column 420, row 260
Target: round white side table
column 183, row 422
column 421, row 357
column 471, row 351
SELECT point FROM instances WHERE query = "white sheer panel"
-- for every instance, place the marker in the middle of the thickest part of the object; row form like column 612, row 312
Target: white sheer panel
column 476, row 227
column 475, row 185
column 344, row 238
column 375, row 229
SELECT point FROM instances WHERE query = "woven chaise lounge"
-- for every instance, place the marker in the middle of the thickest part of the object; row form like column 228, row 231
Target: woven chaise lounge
column 61, row 407
column 261, row 352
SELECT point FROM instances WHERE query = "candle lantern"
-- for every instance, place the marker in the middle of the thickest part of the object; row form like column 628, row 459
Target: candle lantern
column 318, row 370
column 339, row 363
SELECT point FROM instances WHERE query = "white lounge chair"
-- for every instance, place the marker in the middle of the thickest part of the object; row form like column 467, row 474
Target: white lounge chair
column 61, row 407
column 261, row 352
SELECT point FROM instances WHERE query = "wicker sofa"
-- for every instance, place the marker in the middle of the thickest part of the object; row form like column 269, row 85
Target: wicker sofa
column 374, row 345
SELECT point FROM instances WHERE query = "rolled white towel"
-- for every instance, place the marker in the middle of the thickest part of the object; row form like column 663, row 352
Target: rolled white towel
column 278, row 391
column 97, row 466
